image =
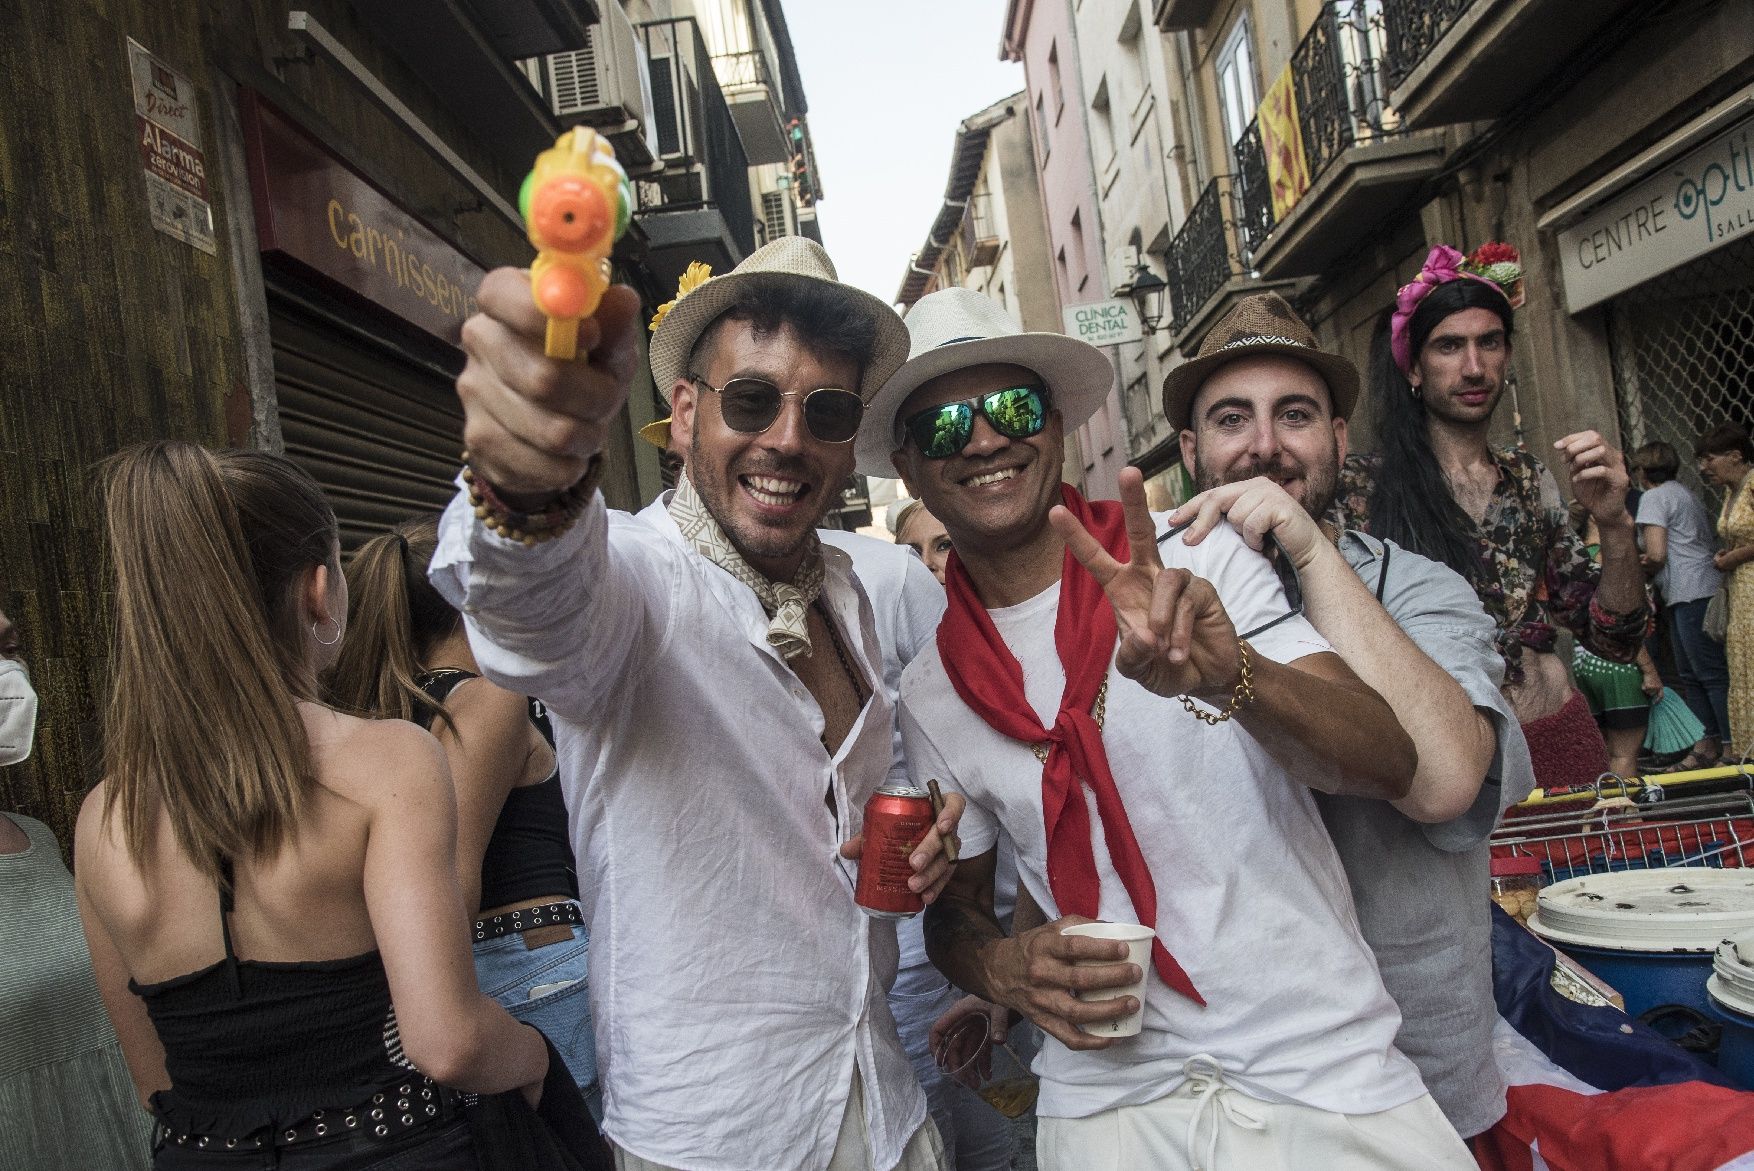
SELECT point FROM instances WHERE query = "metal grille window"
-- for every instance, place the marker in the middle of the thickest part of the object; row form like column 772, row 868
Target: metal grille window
column 773, row 214
column 1683, row 346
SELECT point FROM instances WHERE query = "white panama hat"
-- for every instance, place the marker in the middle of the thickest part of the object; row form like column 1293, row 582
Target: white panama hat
column 790, row 256
column 954, row 329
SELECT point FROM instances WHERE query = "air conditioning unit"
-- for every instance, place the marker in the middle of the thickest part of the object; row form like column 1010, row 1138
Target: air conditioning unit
column 674, row 96
column 605, row 85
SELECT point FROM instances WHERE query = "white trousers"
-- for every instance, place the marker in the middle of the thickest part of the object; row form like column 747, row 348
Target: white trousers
column 1209, row 1125
column 851, row 1150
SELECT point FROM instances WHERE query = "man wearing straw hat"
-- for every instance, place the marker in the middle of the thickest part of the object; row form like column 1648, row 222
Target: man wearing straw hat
column 906, row 603
column 717, row 696
column 1262, row 413
column 907, row 599
column 1147, row 724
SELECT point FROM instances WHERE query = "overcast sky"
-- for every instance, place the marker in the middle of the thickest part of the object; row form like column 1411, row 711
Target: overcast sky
column 887, row 84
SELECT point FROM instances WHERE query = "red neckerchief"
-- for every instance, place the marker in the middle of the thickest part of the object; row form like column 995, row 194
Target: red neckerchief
column 990, row 681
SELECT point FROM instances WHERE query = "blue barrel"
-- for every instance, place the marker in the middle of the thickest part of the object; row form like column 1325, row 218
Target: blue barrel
column 1735, row 1051
column 1731, row 994
column 1650, row 934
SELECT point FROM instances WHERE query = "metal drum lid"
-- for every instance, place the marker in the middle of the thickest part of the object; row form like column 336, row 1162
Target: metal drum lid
column 1679, row 909
column 1731, row 983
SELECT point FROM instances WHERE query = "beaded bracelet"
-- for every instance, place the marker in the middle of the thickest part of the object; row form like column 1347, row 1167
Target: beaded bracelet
column 1244, row 693
column 531, row 528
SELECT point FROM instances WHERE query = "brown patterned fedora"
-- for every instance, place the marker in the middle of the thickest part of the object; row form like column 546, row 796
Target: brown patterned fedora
column 1261, row 324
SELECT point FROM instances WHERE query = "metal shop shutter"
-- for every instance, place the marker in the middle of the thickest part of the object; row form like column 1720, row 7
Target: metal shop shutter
column 1682, row 346
column 375, row 423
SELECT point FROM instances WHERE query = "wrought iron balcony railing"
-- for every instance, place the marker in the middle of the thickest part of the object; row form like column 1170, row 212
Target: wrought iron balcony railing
column 1254, row 193
column 1412, row 29
column 742, row 71
column 1342, row 100
column 705, row 164
column 1201, row 258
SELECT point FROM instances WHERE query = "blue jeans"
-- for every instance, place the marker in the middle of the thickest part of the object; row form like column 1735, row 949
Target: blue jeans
column 508, row 972
column 1704, row 671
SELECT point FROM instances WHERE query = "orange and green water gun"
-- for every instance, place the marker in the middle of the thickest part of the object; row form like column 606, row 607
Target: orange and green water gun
column 576, row 203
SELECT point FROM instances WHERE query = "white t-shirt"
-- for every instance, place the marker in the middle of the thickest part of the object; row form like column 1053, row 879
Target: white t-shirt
column 1251, row 897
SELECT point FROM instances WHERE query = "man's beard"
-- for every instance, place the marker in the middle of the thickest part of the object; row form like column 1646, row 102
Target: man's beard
column 1316, row 494
column 753, row 540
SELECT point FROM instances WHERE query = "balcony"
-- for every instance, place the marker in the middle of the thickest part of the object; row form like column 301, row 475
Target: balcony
column 754, row 103
column 1361, row 161
column 1206, row 272
column 1174, row 16
column 698, row 207
column 1472, row 60
column 982, row 234
column 463, row 63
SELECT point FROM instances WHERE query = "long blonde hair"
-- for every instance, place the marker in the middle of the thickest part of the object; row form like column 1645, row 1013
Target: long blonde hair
column 397, row 618
column 209, row 659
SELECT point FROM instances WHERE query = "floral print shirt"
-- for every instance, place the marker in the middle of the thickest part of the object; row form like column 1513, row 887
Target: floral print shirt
column 1535, row 574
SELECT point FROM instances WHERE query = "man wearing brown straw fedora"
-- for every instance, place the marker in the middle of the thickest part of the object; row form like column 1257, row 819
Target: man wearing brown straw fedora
column 717, row 697
column 1262, row 413
column 1090, row 694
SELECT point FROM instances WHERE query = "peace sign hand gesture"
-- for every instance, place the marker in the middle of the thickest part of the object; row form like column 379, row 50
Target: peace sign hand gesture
column 1176, row 638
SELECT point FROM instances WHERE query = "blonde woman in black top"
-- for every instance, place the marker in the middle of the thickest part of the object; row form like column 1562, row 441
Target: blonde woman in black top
column 268, row 886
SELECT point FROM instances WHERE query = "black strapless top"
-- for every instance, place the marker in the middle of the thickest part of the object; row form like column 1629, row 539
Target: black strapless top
column 250, row 1043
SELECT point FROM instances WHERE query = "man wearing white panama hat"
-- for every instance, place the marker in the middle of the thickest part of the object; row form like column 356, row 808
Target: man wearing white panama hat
column 717, row 696
column 1080, row 680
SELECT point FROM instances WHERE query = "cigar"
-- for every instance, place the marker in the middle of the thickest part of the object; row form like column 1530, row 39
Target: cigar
column 952, row 843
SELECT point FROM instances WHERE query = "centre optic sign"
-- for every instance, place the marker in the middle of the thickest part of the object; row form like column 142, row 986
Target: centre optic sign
column 1103, row 323
column 1688, row 208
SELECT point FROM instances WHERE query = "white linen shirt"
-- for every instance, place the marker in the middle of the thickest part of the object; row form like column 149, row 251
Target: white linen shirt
column 1251, row 897
column 734, row 981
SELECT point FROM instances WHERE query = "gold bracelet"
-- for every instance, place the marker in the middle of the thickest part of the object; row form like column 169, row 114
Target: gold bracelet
column 1244, row 693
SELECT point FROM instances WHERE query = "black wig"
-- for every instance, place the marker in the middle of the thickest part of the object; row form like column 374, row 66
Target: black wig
column 1412, row 504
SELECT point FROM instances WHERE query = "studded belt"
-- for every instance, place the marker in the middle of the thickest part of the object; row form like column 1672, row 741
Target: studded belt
column 390, row 1113
column 524, row 918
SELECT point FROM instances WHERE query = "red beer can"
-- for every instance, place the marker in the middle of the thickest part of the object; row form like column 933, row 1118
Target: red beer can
column 897, row 819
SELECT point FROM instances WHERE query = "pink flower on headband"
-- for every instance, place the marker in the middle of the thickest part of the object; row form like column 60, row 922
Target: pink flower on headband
column 1442, row 265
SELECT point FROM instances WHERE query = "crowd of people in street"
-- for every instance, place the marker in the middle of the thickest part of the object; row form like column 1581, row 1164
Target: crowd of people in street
column 528, row 835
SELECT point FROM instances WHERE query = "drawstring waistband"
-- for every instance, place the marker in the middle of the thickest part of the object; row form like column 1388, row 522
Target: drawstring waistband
column 1218, row 1098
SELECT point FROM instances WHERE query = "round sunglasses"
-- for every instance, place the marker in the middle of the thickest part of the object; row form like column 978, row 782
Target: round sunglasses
column 750, row 405
column 1016, row 412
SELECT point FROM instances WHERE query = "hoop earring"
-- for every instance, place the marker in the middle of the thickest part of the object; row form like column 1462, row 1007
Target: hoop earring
column 320, row 638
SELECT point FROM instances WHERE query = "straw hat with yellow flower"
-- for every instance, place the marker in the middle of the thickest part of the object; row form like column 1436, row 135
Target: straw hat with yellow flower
column 702, row 298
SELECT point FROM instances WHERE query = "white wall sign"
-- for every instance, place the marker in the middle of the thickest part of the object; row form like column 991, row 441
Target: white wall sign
column 169, row 139
column 1692, row 206
column 1103, row 323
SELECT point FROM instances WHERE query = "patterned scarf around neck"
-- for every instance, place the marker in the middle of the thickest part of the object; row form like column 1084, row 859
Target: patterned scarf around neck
column 989, row 679
column 787, row 603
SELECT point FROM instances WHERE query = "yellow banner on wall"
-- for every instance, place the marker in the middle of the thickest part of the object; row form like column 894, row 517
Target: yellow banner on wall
column 1282, row 143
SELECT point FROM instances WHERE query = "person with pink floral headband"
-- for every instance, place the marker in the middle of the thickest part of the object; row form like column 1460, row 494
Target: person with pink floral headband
column 1439, row 486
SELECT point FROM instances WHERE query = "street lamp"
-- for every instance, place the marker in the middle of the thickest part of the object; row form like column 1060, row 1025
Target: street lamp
column 1147, row 290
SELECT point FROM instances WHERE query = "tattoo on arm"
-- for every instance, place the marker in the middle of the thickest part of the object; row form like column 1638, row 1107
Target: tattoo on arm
column 955, row 930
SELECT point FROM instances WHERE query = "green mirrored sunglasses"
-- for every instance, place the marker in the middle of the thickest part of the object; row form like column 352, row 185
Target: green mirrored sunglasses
column 1016, row 412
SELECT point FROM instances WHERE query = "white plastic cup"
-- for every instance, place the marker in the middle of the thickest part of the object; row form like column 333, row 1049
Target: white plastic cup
column 1138, row 940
